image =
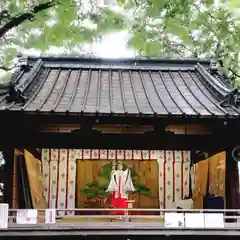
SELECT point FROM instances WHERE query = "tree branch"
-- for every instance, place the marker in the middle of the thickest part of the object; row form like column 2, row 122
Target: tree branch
column 16, row 21
column 183, row 46
column 234, row 73
column 5, row 68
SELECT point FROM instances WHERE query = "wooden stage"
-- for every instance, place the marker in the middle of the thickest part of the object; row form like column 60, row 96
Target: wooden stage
column 116, row 228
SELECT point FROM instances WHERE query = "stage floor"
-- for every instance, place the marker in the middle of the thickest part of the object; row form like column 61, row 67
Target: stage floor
column 114, row 229
column 113, row 226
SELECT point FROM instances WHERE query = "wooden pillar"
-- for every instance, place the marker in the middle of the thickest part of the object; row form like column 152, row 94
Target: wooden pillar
column 232, row 182
column 8, row 167
column 15, row 198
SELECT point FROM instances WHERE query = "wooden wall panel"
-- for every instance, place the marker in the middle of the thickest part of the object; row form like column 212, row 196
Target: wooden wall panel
column 217, row 172
column 148, row 171
column 88, row 170
column 80, row 183
column 33, row 166
column 209, row 178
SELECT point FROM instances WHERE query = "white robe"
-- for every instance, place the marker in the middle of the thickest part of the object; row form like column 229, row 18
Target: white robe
column 126, row 184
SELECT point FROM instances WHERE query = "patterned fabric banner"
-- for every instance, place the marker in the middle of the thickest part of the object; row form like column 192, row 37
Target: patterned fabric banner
column 174, row 167
column 105, row 154
column 59, row 177
column 59, row 173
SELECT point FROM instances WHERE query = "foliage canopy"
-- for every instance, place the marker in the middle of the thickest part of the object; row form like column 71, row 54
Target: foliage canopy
column 187, row 28
column 42, row 25
column 157, row 28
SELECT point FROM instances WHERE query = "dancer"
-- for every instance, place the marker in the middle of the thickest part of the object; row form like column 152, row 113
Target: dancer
column 120, row 185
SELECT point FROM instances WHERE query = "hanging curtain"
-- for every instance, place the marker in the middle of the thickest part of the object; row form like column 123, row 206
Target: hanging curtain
column 59, row 179
column 59, row 173
column 174, row 168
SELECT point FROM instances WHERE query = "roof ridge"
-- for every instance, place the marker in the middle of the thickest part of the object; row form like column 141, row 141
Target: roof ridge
column 95, row 59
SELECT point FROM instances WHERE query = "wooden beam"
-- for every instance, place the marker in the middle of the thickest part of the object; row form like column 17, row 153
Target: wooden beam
column 59, row 127
column 49, row 118
column 122, row 128
column 196, row 129
column 121, row 141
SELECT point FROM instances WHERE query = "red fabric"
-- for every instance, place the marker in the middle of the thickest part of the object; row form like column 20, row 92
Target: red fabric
column 118, row 202
column 113, row 200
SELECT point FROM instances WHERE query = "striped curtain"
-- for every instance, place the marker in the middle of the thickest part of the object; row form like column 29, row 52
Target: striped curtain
column 59, row 173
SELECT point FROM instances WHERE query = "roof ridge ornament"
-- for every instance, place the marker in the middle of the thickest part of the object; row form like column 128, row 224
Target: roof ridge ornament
column 218, row 86
column 18, row 87
column 213, row 65
column 22, row 61
column 231, row 99
column 15, row 95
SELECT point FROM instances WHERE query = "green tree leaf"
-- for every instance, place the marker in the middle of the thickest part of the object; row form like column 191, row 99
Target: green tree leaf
column 183, row 29
column 60, row 26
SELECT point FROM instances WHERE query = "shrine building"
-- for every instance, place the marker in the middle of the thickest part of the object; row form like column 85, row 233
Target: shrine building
column 66, row 120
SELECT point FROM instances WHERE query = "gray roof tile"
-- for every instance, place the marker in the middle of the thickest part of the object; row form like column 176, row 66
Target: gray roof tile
column 142, row 87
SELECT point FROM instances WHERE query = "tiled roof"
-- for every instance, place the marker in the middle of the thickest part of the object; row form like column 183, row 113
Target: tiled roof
column 134, row 87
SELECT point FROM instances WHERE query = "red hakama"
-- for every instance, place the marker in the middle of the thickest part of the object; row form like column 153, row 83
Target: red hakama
column 118, row 202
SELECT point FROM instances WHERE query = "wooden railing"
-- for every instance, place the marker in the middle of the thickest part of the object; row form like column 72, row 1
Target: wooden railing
column 101, row 223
